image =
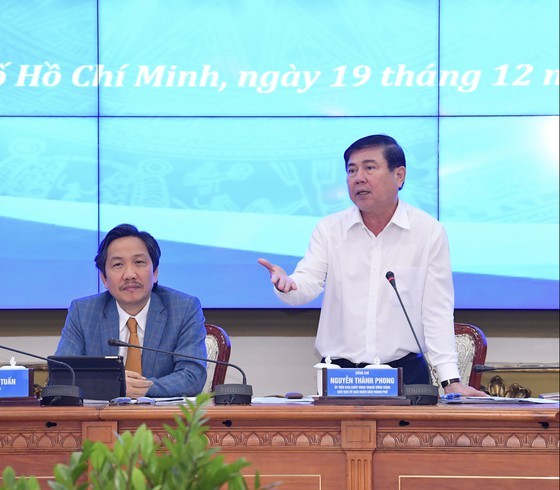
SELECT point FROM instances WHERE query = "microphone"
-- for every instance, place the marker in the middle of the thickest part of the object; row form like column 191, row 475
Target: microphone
column 56, row 395
column 418, row 394
column 226, row 394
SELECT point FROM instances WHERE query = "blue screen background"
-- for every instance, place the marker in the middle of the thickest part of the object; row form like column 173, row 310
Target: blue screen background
column 231, row 169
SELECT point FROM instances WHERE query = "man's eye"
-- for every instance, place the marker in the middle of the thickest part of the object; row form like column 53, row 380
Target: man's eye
column 116, row 265
column 141, row 262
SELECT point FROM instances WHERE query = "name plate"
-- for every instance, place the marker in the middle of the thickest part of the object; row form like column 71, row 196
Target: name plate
column 366, row 382
column 15, row 382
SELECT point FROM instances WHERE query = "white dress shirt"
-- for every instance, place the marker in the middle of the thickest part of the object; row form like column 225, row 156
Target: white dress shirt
column 361, row 317
column 124, row 332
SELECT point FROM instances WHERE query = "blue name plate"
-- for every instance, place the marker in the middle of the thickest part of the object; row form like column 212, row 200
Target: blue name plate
column 14, row 383
column 361, row 382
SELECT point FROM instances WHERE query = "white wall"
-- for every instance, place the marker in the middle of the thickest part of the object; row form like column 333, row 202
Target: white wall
column 276, row 365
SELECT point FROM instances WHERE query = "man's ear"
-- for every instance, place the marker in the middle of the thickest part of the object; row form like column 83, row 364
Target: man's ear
column 156, row 275
column 400, row 175
column 103, row 280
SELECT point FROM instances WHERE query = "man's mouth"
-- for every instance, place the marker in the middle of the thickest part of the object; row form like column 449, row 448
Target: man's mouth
column 130, row 287
column 362, row 193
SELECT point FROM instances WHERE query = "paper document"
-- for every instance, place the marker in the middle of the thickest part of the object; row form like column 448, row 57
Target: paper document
column 95, row 403
column 495, row 399
column 280, row 400
column 176, row 400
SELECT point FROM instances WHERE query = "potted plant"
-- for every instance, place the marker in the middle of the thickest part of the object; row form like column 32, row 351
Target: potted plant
column 136, row 462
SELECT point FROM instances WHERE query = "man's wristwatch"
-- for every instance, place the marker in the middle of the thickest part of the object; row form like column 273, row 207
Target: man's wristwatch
column 450, row 381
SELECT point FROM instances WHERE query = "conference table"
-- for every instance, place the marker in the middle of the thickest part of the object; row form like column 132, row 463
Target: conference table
column 323, row 447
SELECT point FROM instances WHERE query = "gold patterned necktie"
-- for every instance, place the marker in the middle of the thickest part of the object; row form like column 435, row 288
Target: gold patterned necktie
column 134, row 356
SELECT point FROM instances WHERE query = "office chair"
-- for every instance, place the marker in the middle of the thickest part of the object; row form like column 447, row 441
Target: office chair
column 471, row 347
column 218, row 347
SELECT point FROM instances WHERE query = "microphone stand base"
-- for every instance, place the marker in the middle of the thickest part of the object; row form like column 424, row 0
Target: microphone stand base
column 61, row 396
column 233, row 394
column 421, row 394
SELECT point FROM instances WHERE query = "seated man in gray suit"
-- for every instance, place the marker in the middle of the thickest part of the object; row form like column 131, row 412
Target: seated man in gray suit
column 137, row 310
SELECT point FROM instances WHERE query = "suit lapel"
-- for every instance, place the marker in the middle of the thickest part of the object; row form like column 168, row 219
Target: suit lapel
column 155, row 326
column 109, row 327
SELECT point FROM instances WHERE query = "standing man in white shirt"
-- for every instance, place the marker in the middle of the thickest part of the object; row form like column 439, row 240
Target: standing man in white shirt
column 348, row 257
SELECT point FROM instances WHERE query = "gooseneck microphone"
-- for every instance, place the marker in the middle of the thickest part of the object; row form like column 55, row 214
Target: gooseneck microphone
column 391, row 278
column 226, row 394
column 418, row 394
column 56, row 395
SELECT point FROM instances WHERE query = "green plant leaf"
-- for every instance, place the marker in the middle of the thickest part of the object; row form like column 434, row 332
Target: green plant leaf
column 8, row 477
column 138, row 480
column 11, row 482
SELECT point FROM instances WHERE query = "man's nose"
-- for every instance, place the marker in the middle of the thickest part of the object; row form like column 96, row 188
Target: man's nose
column 360, row 175
column 129, row 272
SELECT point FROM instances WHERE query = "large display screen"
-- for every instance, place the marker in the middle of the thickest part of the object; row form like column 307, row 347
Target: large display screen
column 219, row 127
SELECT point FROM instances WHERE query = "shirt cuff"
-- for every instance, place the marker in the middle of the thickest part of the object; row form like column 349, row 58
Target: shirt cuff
column 448, row 370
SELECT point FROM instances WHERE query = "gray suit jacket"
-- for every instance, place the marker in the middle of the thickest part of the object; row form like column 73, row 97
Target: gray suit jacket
column 175, row 323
